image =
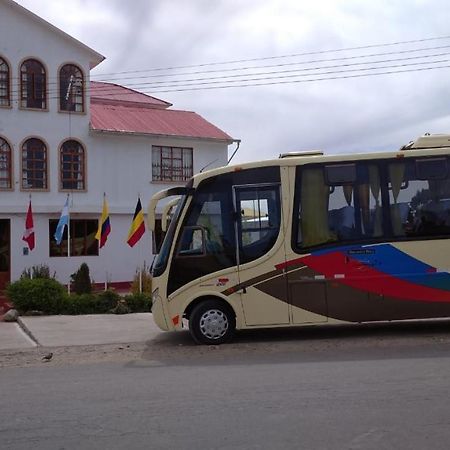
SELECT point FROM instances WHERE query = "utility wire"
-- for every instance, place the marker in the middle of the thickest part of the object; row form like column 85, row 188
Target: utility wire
column 103, row 90
column 237, row 69
column 245, row 68
column 306, row 81
column 265, row 82
column 318, row 52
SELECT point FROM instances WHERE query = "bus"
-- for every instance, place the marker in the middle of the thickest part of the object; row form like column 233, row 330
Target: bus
column 307, row 239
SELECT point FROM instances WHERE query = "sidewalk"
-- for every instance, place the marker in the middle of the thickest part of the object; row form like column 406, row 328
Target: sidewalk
column 54, row 331
column 12, row 337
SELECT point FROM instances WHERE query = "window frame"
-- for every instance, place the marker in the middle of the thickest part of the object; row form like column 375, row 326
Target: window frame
column 388, row 232
column 157, row 236
column 186, row 172
column 63, row 248
column 45, row 170
column 23, row 99
column 9, row 163
column 241, row 256
column 81, row 79
column 83, row 169
column 7, row 84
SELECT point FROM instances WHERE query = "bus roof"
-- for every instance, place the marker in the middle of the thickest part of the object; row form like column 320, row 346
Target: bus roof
column 425, row 145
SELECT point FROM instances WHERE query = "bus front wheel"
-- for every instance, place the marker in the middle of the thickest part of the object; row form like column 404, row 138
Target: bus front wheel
column 212, row 322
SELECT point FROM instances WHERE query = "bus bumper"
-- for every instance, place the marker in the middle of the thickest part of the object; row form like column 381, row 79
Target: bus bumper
column 159, row 315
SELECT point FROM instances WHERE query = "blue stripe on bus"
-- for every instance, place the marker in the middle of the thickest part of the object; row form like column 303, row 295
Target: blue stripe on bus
column 392, row 261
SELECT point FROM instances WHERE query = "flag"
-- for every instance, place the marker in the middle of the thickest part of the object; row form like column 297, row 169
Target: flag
column 104, row 226
column 137, row 228
column 28, row 234
column 63, row 222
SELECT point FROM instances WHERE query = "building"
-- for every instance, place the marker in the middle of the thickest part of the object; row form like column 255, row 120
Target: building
column 61, row 134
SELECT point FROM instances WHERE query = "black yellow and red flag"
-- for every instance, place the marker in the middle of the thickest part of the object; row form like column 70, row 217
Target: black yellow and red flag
column 137, row 228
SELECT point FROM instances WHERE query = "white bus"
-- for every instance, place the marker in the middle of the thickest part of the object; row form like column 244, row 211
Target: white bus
column 307, row 239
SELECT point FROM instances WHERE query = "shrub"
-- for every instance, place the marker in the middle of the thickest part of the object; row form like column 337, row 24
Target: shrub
column 81, row 281
column 39, row 271
column 107, row 300
column 146, row 281
column 40, row 294
column 139, row 302
column 79, row 304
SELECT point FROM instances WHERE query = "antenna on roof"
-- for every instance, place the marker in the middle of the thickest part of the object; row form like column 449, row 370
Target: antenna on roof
column 207, row 165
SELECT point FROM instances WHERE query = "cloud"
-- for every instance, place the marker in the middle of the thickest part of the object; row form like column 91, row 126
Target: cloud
column 358, row 114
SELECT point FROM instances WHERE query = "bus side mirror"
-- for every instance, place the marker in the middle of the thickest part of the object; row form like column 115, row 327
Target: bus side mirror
column 192, row 242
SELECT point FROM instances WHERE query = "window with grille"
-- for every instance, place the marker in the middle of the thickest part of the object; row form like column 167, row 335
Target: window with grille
column 171, row 163
column 72, row 166
column 5, row 99
column 82, row 238
column 33, row 83
column 71, row 89
column 5, row 165
column 34, row 164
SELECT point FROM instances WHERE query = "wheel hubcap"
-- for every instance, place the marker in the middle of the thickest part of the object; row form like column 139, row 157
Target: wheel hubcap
column 213, row 324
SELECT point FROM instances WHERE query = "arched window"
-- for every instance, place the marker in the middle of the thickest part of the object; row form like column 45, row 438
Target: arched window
column 5, row 165
column 71, row 89
column 34, row 164
column 33, row 82
column 5, row 99
column 72, row 166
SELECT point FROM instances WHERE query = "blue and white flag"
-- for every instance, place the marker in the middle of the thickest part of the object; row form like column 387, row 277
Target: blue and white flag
column 63, row 221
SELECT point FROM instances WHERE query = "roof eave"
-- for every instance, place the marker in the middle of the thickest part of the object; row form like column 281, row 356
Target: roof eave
column 159, row 135
column 97, row 57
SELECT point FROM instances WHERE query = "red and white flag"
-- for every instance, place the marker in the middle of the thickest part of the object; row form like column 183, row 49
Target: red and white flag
column 28, row 235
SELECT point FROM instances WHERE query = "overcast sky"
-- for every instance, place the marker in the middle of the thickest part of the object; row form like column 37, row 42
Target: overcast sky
column 344, row 115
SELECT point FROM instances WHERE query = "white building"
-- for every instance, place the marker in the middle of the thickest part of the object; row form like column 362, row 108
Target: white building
column 61, row 134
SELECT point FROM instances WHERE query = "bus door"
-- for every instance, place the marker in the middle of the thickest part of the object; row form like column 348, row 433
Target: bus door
column 259, row 247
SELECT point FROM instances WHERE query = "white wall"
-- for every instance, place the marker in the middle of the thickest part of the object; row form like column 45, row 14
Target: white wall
column 119, row 165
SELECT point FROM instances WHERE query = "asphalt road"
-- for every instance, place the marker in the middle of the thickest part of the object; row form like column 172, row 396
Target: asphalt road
column 330, row 388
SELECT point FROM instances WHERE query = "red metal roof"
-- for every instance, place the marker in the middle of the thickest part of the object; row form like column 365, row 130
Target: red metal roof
column 119, row 109
column 110, row 93
column 166, row 122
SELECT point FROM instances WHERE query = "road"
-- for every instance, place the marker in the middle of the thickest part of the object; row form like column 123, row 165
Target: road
column 367, row 387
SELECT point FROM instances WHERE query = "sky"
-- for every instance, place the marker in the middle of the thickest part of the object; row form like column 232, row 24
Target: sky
column 354, row 114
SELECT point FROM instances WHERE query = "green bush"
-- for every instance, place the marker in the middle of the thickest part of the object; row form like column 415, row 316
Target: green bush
column 39, row 271
column 50, row 297
column 107, row 300
column 81, row 280
column 139, row 302
column 79, row 304
column 39, row 294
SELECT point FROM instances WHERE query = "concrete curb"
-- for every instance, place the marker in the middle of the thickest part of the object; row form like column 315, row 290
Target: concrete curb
column 27, row 331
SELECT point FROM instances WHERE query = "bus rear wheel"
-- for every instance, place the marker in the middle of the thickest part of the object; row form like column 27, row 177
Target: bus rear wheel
column 212, row 322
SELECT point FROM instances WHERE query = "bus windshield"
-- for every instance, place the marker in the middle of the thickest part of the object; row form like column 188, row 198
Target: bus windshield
column 163, row 256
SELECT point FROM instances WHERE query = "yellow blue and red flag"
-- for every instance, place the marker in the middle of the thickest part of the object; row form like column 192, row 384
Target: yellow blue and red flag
column 104, row 226
column 137, row 228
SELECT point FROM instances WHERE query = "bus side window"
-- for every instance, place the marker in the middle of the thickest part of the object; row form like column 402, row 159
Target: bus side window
column 259, row 213
column 192, row 242
column 419, row 194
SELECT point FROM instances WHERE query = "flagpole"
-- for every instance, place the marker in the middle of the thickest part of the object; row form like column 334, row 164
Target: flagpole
column 68, row 228
column 31, row 270
column 139, row 258
column 140, row 269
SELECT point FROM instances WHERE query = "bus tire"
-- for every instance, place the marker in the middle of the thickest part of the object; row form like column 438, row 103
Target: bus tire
column 212, row 322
